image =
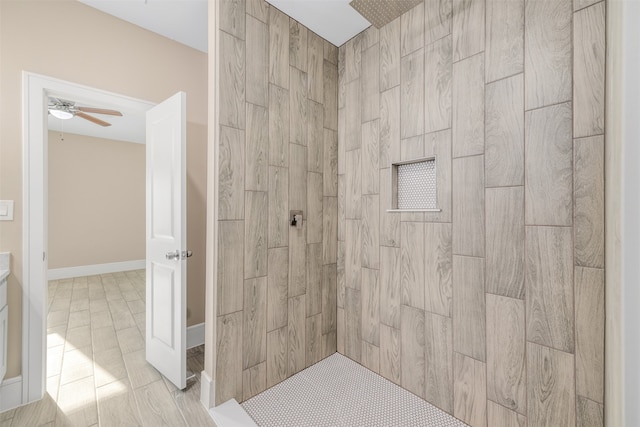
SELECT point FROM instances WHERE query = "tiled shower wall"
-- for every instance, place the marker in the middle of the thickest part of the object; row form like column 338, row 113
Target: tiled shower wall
column 492, row 308
column 278, row 151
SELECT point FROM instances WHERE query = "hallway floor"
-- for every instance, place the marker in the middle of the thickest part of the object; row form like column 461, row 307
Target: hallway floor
column 339, row 392
column 96, row 368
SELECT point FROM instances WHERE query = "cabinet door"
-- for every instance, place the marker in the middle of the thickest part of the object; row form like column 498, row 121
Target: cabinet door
column 4, row 316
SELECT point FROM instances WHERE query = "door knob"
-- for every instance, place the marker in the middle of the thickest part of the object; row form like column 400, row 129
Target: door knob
column 186, row 254
column 173, row 255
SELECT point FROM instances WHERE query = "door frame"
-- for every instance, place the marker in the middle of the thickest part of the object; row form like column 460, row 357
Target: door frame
column 35, row 89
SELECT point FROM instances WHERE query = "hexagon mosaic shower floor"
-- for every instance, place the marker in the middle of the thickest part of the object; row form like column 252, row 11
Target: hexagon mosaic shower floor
column 339, row 392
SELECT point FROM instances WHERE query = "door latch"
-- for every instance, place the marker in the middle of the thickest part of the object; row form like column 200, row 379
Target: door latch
column 186, row 254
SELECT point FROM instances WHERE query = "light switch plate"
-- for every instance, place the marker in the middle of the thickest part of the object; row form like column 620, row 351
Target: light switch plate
column 6, row 210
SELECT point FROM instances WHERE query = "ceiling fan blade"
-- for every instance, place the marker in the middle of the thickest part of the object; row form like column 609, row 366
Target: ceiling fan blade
column 92, row 119
column 99, row 111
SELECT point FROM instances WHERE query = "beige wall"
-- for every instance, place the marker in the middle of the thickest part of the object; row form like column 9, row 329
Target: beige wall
column 493, row 308
column 276, row 306
column 109, row 54
column 96, row 201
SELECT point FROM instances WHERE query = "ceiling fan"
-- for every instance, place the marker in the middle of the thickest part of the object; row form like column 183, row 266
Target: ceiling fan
column 63, row 109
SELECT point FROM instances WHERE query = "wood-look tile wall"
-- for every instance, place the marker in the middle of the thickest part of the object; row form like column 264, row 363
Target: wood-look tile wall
column 278, row 151
column 491, row 309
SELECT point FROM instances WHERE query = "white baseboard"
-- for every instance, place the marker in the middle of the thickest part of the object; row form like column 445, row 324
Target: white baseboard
column 11, row 393
column 92, row 270
column 231, row 414
column 195, row 335
column 207, row 391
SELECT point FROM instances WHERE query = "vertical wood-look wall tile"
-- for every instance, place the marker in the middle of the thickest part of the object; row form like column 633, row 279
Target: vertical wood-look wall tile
column 547, row 56
column 389, row 127
column 278, row 48
column 277, row 349
column 342, row 206
column 278, row 214
column 390, row 353
column 588, row 193
column 255, row 234
column 439, row 361
column 370, row 80
column 469, row 307
column 505, row 39
column 549, row 287
column 469, row 390
column 548, row 169
column 254, row 339
column 315, row 66
column 413, row 350
column 370, row 36
column 277, row 288
column 330, row 163
column 438, row 144
column 390, row 286
column 232, row 81
column 329, row 298
column 259, row 9
column 353, row 58
column 353, row 254
column 330, row 52
column 590, row 316
column 413, row 268
column 505, row 241
column 437, row 82
column 412, row 30
column 370, row 152
column 232, row 17
column 468, row 106
column 298, row 45
column 314, row 207
column 390, row 55
column 257, row 162
column 468, row 28
column 370, row 306
column 371, row 357
column 581, row 4
column 506, row 370
column 371, row 231
column 297, row 236
column 342, row 76
column 257, row 62
column 589, row 413
column 340, row 274
column 329, row 343
column 314, row 279
column 412, row 94
column 299, row 112
column 278, row 126
column 353, row 324
column 297, row 261
column 296, row 326
column 228, row 347
column 230, row 266
column 353, row 116
column 342, row 140
column 550, row 387
column 437, row 20
column 329, row 230
column 315, row 137
column 389, row 221
column 254, row 380
column 330, row 95
column 499, row 416
column 353, row 185
column 340, row 331
column 504, row 132
column 468, row 206
column 438, row 262
column 231, row 174
column 313, row 336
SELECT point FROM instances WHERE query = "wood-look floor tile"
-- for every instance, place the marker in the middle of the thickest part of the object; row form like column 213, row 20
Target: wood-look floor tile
column 190, row 406
column 104, row 339
column 108, row 366
column 35, row 414
column 77, row 403
column 78, row 338
column 157, row 407
column 117, row 404
column 130, row 339
column 139, row 371
column 76, row 365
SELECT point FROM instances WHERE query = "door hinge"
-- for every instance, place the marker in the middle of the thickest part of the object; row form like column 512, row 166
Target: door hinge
column 44, row 256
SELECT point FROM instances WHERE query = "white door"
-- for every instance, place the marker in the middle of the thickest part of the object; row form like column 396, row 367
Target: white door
column 166, row 347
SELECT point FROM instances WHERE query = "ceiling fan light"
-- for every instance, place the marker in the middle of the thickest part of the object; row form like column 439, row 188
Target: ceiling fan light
column 61, row 114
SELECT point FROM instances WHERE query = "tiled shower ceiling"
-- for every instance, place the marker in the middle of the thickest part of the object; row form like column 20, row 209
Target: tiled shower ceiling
column 381, row 12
